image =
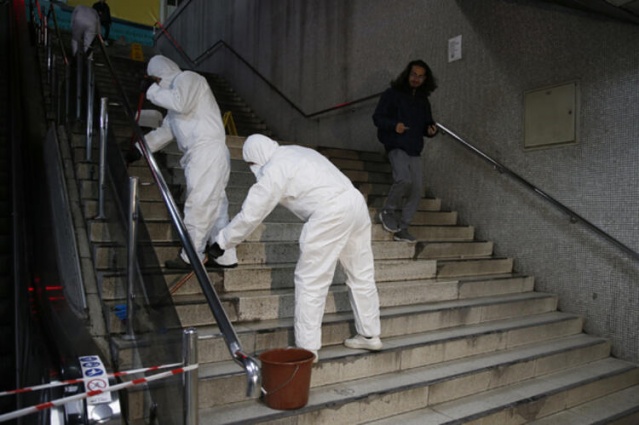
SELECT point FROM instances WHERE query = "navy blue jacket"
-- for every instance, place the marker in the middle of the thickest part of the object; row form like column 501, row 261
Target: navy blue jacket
column 395, row 106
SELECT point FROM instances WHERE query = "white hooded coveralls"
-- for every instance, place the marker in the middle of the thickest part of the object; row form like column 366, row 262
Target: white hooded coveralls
column 337, row 227
column 85, row 25
column 193, row 118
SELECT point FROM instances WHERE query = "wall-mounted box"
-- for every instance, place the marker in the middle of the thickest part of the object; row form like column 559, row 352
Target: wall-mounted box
column 550, row 116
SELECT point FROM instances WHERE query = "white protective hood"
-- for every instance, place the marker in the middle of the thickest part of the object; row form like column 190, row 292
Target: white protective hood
column 257, row 151
column 163, row 67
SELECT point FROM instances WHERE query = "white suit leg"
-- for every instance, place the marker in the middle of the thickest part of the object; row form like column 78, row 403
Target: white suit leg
column 205, row 183
column 358, row 264
column 89, row 35
column 321, row 241
column 230, row 255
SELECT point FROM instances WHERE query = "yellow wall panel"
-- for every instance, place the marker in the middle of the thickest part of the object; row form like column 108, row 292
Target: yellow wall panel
column 145, row 12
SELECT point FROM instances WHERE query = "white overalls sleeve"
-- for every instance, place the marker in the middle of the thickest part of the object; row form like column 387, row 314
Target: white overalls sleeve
column 261, row 199
column 160, row 137
column 181, row 97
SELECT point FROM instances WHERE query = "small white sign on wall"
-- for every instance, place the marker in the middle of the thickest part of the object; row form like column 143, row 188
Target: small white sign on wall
column 454, row 48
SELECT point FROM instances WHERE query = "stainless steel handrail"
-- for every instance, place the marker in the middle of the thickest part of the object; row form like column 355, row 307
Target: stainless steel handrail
column 193, row 63
column 232, row 341
column 572, row 215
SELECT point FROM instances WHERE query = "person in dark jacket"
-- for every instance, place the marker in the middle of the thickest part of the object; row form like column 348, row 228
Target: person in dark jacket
column 104, row 11
column 403, row 118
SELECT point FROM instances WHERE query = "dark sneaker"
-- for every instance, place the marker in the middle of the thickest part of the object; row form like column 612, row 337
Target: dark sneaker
column 212, row 264
column 389, row 223
column 404, row 236
column 177, row 263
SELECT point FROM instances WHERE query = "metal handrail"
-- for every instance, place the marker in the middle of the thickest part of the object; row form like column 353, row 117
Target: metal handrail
column 232, row 341
column 572, row 215
column 208, row 52
column 56, row 27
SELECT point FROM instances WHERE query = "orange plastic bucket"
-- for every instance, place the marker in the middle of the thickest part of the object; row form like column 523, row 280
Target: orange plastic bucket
column 286, row 377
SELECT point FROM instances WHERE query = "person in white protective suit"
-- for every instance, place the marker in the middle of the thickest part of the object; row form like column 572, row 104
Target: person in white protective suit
column 337, row 227
column 85, row 26
column 194, row 120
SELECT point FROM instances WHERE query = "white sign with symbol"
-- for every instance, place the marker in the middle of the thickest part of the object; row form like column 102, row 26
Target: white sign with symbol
column 95, row 379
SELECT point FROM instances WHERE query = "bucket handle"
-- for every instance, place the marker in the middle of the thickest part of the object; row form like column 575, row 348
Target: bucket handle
column 297, row 367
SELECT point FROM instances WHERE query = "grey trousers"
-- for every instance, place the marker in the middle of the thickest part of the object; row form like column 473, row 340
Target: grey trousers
column 407, row 189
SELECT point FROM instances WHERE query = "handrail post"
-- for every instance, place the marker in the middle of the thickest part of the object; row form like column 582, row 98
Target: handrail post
column 104, row 127
column 90, row 96
column 190, row 357
column 79, row 64
column 49, row 47
column 53, row 89
column 132, row 254
column 67, row 91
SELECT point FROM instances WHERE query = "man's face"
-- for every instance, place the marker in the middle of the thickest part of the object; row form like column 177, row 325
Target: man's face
column 417, row 76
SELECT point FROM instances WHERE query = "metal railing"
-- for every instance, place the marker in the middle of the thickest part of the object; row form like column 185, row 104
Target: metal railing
column 193, row 63
column 249, row 364
column 232, row 341
column 572, row 215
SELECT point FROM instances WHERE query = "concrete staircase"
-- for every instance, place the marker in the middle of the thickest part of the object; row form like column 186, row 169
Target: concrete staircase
column 466, row 337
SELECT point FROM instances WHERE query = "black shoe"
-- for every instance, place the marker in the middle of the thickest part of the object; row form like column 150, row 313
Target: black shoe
column 404, row 236
column 214, row 265
column 132, row 155
column 177, row 263
column 389, row 223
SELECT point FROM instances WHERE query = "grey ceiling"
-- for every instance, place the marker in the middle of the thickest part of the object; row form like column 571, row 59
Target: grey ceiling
column 625, row 10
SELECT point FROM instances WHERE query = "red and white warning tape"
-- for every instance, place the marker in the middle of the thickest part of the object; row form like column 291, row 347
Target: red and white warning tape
column 81, row 380
column 117, row 387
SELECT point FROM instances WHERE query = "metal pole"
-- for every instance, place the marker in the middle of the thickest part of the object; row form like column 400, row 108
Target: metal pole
column 104, row 127
column 67, row 91
column 90, row 97
column 44, row 31
column 53, row 91
column 49, row 55
column 79, row 63
column 191, row 414
column 132, row 248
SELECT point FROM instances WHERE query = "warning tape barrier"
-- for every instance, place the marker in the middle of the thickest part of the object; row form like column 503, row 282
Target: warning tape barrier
column 117, row 387
column 82, row 380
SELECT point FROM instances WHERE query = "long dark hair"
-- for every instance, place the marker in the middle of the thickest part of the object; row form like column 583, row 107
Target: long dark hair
column 401, row 82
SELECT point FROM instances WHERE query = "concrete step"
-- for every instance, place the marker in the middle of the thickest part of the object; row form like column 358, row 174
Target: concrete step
column 444, row 250
column 621, row 407
column 259, row 253
column 282, row 225
column 360, row 156
column 273, row 304
column 258, row 277
column 400, row 321
column 385, row 393
column 368, row 176
column 594, row 393
column 353, row 164
column 473, row 267
column 147, row 191
column 425, row 204
column 252, row 252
